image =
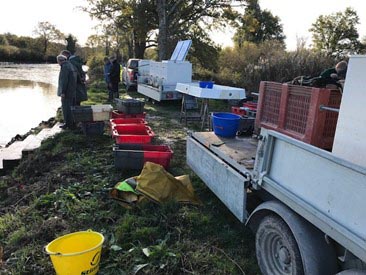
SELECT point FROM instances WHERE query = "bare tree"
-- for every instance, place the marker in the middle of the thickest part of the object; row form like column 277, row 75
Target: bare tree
column 48, row 33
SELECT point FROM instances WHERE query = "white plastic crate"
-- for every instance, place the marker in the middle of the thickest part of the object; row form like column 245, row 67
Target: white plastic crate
column 102, row 112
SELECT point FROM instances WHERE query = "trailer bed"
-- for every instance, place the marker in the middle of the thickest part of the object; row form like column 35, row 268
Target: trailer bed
column 238, row 152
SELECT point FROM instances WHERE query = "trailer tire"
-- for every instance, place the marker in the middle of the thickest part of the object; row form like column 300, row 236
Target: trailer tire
column 276, row 248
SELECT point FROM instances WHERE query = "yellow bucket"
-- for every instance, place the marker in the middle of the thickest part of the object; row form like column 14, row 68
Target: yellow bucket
column 76, row 253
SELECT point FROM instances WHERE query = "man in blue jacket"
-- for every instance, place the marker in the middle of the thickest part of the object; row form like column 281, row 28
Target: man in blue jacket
column 67, row 82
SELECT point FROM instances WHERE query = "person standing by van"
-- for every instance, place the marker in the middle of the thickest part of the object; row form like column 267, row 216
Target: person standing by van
column 114, row 76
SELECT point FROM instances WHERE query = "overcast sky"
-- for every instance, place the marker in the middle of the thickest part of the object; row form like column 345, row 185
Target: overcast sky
column 20, row 17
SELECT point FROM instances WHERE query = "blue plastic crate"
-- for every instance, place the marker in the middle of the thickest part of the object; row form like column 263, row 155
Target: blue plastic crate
column 206, row 84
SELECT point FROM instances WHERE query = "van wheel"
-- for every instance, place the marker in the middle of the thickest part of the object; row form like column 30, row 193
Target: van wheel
column 276, row 248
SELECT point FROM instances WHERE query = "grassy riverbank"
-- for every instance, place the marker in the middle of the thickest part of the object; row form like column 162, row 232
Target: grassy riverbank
column 63, row 187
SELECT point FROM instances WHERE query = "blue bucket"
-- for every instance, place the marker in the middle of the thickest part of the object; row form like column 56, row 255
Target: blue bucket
column 225, row 124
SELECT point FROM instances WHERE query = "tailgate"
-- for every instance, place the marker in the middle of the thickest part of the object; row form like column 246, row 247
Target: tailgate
column 220, row 171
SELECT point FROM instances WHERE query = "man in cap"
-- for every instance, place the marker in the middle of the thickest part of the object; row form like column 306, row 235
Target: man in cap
column 81, row 90
column 67, row 90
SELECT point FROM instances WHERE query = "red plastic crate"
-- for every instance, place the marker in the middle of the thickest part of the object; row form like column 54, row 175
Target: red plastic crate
column 295, row 111
column 133, row 120
column 251, row 105
column 132, row 133
column 117, row 114
column 123, row 121
column 134, row 156
column 238, row 110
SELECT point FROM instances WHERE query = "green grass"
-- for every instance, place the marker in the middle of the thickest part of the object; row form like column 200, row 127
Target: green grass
column 64, row 187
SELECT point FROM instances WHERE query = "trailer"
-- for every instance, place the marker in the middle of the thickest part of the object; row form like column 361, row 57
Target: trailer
column 310, row 218
column 157, row 80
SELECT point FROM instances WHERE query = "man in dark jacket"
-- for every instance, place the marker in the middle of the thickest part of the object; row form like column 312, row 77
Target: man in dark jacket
column 114, row 76
column 81, row 90
column 332, row 78
column 67, row 90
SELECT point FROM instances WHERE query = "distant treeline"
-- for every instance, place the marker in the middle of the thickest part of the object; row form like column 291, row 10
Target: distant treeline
column 23, row 49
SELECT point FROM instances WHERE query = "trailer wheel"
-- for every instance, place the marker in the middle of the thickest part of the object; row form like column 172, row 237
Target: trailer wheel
column 276, row 248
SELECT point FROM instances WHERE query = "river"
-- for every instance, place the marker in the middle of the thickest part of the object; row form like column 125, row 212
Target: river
column 27, row 97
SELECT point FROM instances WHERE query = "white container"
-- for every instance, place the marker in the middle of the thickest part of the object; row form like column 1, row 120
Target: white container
column 102, row 112
column 171, row 72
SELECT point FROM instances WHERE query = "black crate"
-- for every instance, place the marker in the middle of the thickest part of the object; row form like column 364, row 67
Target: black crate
column 246, row 125
column 82, row 113
column 128, row 159
column 93, row 128
column 130, row 106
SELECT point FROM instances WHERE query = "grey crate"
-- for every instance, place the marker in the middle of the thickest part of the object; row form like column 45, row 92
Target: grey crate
column 130, row 106
column 82, row 113
column 246, row 125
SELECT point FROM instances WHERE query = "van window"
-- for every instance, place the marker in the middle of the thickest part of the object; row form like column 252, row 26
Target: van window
column 134, row 64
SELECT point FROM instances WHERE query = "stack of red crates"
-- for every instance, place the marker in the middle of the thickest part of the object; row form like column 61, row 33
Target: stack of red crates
column 244, row 111
column 133, row 137
column 130, row 128
column 295, row 111
column 132, row 133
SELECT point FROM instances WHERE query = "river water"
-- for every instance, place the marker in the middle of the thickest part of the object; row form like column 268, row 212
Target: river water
column 27, row 97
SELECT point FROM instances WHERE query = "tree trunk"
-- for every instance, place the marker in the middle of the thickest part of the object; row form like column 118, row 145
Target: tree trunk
column 45, row 46
column 106, row 46
column 140, row 49
column 163, row 30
